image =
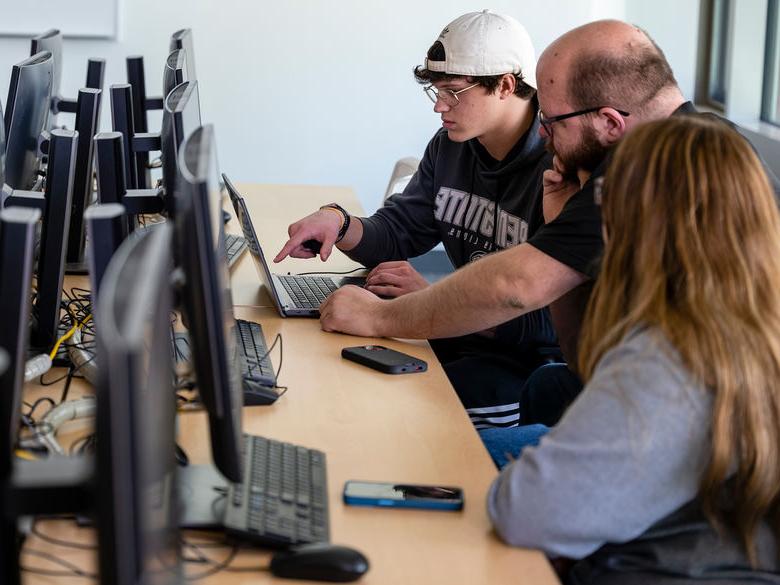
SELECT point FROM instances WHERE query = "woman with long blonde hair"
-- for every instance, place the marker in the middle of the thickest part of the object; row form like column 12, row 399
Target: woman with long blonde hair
column 666, row 469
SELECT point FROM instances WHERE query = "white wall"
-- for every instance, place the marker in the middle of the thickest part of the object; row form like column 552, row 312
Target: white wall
column 674, row 25
column 321, row 91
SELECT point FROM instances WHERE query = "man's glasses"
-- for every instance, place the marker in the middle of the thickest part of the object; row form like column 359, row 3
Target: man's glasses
column 448, row 96
column 548, row 122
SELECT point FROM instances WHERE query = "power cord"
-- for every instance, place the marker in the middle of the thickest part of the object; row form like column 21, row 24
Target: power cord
column 327, row 272
column 72, row 570
column 35, row 405
column 67, row 336
column 84, row 444
column 190, row 404
column 217, row 566
column 56, row 541
column 278, row 339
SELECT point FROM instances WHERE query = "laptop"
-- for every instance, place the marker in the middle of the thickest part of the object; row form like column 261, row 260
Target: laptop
column 294, row 295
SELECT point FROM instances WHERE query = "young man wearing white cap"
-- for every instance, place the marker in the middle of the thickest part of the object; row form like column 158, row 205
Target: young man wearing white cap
column 478, row 190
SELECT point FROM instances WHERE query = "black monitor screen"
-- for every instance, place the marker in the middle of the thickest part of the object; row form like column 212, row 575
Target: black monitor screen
column 17, row 228
column 2, row 149
column 207, row 302
column 26, row 114
column 137, row 506
column 181, row 116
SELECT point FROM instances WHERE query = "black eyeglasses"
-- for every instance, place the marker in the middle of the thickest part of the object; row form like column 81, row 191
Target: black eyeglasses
column 548, row 122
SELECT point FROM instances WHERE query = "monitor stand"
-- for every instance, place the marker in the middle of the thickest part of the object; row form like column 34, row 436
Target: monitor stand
column 76, row 268
column 202, row 497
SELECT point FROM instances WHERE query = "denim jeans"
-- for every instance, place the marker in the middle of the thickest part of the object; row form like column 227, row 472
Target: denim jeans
column 506, row 444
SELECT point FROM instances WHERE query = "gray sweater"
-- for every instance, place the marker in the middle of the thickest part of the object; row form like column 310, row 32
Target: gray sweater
column 615, row 483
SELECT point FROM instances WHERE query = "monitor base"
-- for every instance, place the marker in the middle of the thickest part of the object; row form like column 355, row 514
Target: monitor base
column 202, row 493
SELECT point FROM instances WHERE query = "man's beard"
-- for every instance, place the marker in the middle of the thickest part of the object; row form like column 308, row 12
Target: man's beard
column 586, row 156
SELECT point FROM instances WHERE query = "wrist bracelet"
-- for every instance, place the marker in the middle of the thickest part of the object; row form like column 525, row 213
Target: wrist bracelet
column 345, row 217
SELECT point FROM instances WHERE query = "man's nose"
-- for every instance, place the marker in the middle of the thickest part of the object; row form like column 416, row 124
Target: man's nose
column 441, row 106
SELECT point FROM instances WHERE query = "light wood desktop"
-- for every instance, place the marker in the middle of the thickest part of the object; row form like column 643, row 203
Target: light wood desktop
column 372, row 426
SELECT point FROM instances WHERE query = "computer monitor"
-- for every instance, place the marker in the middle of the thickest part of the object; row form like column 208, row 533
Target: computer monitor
column 26, row 115
column 51, row 41
column 181, row 116
column 9, row 532
column 54, row 236
column 2, row 150
column 105, row 226
column 17, row 230
column 137, row 517
column 175, row 72
column 206, row 298
column 87, row 124
column 182, row 39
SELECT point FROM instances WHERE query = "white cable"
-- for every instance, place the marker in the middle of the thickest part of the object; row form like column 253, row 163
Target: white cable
column 36, row 366
column 83, row 360
column 58, row 416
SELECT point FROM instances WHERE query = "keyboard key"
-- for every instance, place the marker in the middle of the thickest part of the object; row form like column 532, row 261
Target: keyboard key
column 252, row 344
column 284, row 505
column 234, row 248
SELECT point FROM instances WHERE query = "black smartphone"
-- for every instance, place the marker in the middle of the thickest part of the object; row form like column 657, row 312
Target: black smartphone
column 401, row 495
column 383, row 359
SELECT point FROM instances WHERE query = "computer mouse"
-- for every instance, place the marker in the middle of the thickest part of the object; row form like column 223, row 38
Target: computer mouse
column 320, row 562
column 258, row 394
column 312, row 246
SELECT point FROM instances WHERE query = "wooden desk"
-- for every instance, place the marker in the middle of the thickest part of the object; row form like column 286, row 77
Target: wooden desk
column 409, row 428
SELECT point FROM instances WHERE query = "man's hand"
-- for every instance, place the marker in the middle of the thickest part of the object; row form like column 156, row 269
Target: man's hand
column 393, row 279
column 558, row 188
column 351, row 310
column 321, row 225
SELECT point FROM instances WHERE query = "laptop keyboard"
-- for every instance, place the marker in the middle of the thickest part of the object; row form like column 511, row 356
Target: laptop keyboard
column 251, row 342
column 234, row 246
column 283, row 499
column 307, row 292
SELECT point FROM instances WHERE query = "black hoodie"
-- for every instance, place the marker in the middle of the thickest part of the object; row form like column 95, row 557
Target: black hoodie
column 452, row 199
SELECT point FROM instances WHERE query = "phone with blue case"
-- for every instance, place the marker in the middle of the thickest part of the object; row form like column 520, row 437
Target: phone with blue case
column 401, row 495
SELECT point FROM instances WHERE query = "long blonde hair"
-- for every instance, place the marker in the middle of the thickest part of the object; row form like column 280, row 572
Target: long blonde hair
column 693, row 249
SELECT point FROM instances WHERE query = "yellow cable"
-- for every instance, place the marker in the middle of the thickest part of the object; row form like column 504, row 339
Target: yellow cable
column 67, row 336
column 22, row 454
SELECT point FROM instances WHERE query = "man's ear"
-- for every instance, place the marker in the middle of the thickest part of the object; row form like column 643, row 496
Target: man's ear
column 610, row 125
column 507, row 85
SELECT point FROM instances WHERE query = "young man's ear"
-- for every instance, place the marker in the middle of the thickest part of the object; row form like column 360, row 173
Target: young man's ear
column 507, row 85
column 611, row 126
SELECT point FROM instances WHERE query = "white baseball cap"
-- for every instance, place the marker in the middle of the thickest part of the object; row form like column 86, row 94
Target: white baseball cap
column 485, row 43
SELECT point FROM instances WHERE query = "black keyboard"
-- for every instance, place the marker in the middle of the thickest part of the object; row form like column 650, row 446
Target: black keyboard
column 307, row 292
column 283, row 499
column 235, row 246
column 257, row 363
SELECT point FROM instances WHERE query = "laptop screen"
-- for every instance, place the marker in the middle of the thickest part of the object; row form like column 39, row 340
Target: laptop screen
column 242, row 213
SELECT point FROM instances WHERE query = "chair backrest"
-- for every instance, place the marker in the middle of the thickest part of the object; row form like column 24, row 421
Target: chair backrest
column 402, row 173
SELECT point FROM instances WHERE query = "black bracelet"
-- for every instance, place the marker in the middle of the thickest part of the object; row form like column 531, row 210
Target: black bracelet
column 347, row 218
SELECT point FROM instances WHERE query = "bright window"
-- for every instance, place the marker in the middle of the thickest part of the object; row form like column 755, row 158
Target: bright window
column 770, row 107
